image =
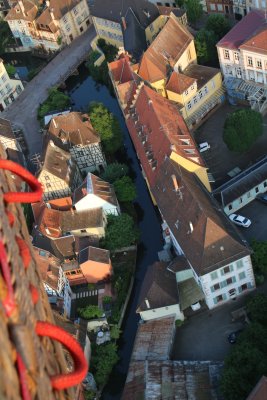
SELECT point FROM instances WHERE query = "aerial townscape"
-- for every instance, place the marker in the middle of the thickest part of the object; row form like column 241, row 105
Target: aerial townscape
column 145, row 124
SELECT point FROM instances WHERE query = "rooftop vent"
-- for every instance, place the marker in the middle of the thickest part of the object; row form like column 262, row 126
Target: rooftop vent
column 175, row 183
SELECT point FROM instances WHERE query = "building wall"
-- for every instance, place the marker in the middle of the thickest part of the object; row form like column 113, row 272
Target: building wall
column 75, row 22
column 92, row 201
column 98, row 232
column 109, row 30
column 200, row 171
column 189, row 56
column 220, row 7
column 153, row 29
column 162, row 312
column 246, row 198
column 240, row 273
column 53, row 187
column 9, row 88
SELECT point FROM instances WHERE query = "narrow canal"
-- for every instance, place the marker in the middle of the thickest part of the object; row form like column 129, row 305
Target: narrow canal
column 83, row 90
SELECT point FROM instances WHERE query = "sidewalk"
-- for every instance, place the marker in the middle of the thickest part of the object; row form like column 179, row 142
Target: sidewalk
column 23, row 112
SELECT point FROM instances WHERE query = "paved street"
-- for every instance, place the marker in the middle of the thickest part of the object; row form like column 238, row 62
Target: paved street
column 23, row 112
column 204, row 336
column 257, row 213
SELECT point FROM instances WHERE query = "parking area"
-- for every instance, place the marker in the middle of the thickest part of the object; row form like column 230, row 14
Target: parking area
column 204, row 336
column 218, row 158
column 257, row 213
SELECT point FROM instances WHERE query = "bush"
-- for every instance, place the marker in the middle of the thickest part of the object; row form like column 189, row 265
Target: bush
column 259, row 257
column 205, row 42
column 114, row 171
column 56, row 101
column 241, row 129
column 194, row 10
column 257, row 308
column 10, row 69
column 125, row 189
column 120, row 232
column 109, row 50
column 104, row 357
column 178, row 323
column 90, row 312
column 218, row 24
column 107, row 126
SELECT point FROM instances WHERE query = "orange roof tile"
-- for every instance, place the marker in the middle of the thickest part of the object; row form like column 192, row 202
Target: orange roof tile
column 164, row 51
column 28, row 13
column 179, row 83
column 258, row 42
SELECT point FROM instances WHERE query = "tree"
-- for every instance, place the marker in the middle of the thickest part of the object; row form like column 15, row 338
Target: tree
column 107, row 126
column 125, row 189
column 114, row 171
column 103, row 360
column 115, row 332
column 90, row 312
column 120, row 232
column 56, row 101
column 257, row 307
column 5, row 36
column 218, row 24
column 180, row 3
column 194, row 10
column 241, row 129
column 205, row 42
column 109, row 50
column 259, row 256
column 10, row 69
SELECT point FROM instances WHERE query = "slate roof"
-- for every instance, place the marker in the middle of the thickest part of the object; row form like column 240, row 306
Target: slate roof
column 62, row 248
column 244, row 30
column 134, row 37
column 145, row 11
column 74, row 128
column 205, row 234
column 153, row 339
column 164, row 51
column 171, row 380
column 200, row 73
column 178, row 12
column 242, row 183
column 97, row 186
column 159, row 288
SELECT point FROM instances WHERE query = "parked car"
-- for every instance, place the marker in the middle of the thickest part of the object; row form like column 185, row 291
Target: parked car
column 240, row 220
column 262, row 197
column 203, row 147
column 232, row 338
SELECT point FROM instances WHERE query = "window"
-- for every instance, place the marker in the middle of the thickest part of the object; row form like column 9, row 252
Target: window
column 242, row 275
column 265, row 184
column 238, row 72
column 227, row 269
column 188, row 55
column 215, row 287
column 75, row 11
column 219, row 298
column 219, row 7
column 189, row 105
column 243, row 287
column 81, row 29
column 192, row 87
column 42, row 253
column 230, row 280
column 226, row 54
column 250, row 62
column 230, row 207
column 256, row 189
column 186, row 92
column 248, row 195
column 4, row 78
column 206, row 89
column 48, row 185
column 236, row 56
column 212, row 7
column 214, row 275
column 259, row 64
column 240, row 200
column 195, row 100
column 83, row 230
column 65, row 19
column 200, row 94
column 151, row 27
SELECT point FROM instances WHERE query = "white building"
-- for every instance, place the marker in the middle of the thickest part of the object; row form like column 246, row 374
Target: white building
column 74, row 133
column 9, row 88
column 243, row 188
column 242, row 55
column 216, row 253
column 96, row 193
column 49, row 24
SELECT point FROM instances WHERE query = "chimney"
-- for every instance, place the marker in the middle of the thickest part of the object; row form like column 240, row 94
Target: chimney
column 51, row 10
column 47, row 3
column 191, row 227
column 123, row 23
column 54, row 123
column 175, row 183
column 147, row 303
column 150, row 102
column 21, row 6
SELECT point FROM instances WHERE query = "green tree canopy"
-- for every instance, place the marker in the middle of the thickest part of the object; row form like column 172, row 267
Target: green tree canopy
column 114, row 171
column 10, row 69
column 107, row 126
column 90, row 312
column 218, row 24
column 205, row 42
column 115, row 332
column 241, row 129
column 259, row 256
column 120, row 232
column 194, row 10
column 56, row 101
column 257, row 307
column 180, row 3
column 109, row 50
column 103, row 360
column 125, row 189
column 5, row 36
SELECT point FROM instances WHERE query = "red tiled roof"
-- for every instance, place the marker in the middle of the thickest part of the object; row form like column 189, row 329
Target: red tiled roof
column 258, row 42
column 178, row 82
column 157, row 128
column 260, row 390
column 164, row 51
column 244, row 30
column 121, row 70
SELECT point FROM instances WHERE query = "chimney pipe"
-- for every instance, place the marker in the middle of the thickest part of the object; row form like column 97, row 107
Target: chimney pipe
column 175, row 183
column 147, row 303
column 22, row 7
column 123, row 23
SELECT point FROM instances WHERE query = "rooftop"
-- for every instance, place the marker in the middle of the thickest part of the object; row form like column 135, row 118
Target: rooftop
column 260, row 390
column 94, row 254
column 6, row 129
column 153, row 339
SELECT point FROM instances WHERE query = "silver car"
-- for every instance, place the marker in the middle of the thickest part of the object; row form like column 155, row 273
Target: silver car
column 240, row 220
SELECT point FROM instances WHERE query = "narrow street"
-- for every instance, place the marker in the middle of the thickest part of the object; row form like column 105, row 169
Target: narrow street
column 23, row 112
